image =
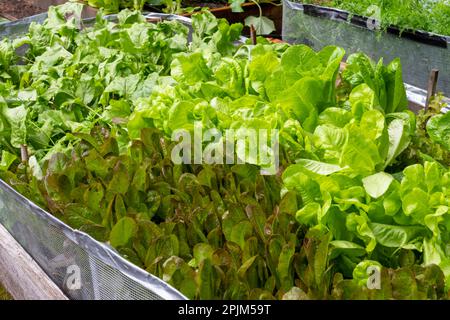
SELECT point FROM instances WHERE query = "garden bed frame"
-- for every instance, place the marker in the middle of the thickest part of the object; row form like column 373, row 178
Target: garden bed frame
column 21, row 276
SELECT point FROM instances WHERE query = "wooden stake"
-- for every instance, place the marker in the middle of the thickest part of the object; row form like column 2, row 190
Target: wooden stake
column 253, row 34
column 155, row 20
column 432, row 83
column 8, row 17
column 24, row 153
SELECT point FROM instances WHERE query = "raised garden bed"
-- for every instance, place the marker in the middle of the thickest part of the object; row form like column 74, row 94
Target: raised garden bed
column 13, row 10
column 221, row 9
column 21, row 276
column 419, row 52
column 273, row 12
column 183, row 223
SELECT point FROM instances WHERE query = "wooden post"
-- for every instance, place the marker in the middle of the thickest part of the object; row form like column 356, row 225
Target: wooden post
column 155, row 20
column 253, row 34
column 432, row 83
column 8, row 16
column 24, row 153
column 21, row 275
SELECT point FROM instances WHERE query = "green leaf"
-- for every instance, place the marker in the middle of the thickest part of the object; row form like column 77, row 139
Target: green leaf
column 432, row 221
column 245, row 266
column 181, row 117
column 438, row 127
column 376, row 185
column 117, row 109
column 346, row 248
column 122, row 232
column 36, row 169
column 120, row 180
column 263, row 64
column 190, row 68
column 206, row 280
column 7, row 160
column 241, row 232
column 180, row 275
column 203, row 251
column 295, row 179
column 262, row 25
column 96, row 164
column 236, row 5
column 360, row 273
column 318, row 167
column 330, row 140
column 16, row 117
column 335, row 116
column 415, row 203
column 93, row 196
column 400, row 130
column 295, row 293
column 129, row 17
column 396, row 93
column 321, row 259
column 359, row 153
column 309, row 214
column 373, row 122
column 398, row 236
column 361, row 99
column 124, row 86
column 284, row 267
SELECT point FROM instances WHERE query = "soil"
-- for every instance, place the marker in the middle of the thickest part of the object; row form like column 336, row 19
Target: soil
column 202, row 3
column 18, row 9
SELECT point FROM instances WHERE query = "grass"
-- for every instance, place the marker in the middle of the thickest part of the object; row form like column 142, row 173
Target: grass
column 4, row 295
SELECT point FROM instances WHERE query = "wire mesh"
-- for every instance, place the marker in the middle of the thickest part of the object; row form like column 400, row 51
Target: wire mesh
column 58, row 249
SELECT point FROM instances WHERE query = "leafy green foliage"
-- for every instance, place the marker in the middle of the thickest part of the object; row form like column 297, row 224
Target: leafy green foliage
column 432, row 16
column 431, row 137
column 262, row 25
column 73, row 77
column 385, row 81
column 96, row 107
column 169, row 6
column 204, row 229
column 378, row 213
column 438, row 127
column 406, row 283
column 114, row 6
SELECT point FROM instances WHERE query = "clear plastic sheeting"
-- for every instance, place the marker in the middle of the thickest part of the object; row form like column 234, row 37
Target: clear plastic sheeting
column 419, row 52
column 82, row 267
column 18, row 28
